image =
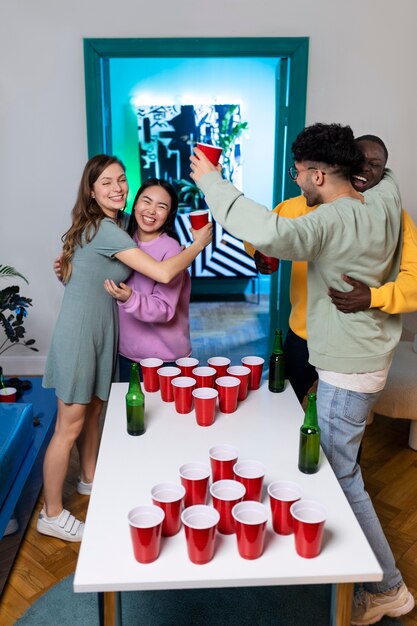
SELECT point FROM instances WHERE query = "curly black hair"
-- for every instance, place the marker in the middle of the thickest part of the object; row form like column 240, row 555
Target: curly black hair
column 332, row 144
column 374, row 139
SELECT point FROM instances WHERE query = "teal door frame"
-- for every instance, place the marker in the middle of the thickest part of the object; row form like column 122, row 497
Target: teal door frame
column 291, row 90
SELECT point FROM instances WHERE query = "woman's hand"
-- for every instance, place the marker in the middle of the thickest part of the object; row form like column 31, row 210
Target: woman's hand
column 203, row 236
column 121, row 292
column 200, row 165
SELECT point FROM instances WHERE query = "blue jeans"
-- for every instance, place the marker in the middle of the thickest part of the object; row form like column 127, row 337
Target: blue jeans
column 342, row 418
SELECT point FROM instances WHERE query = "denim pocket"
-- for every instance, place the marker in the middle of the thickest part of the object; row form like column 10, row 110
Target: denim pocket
column 358, row 405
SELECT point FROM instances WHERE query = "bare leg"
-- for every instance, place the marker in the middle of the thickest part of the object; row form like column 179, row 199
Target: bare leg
column 69, row 424
column 89, row 440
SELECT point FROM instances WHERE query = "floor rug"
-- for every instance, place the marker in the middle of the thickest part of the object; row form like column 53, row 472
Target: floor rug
column 302, row 605
column 251, row 606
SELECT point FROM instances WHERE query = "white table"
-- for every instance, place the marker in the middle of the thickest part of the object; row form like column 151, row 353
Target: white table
column 264, row 427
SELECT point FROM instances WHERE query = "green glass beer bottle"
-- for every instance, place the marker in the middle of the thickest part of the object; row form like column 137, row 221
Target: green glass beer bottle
column 309, row 452
column 276, row 381
column 135, row 403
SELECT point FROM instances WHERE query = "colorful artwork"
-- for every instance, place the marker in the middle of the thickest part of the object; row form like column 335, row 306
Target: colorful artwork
column 166, row 136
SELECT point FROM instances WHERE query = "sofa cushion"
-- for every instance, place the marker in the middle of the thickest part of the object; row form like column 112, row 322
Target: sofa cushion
column 16, row 435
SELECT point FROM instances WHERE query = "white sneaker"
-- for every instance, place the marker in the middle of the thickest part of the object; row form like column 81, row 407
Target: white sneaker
column 64, row 526
column 369, row 608
column 84, row 488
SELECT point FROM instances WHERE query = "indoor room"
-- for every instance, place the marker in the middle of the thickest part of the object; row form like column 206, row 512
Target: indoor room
column 235, row 300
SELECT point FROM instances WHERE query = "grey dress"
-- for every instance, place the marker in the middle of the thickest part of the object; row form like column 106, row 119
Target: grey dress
column 83, row 350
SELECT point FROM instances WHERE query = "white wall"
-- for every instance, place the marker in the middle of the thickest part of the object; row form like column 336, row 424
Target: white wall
column 361, row 72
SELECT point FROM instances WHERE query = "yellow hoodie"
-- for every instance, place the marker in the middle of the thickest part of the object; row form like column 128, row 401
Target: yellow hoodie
column 399, row 296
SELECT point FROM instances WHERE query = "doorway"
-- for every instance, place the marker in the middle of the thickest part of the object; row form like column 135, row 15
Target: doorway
column 291, row 56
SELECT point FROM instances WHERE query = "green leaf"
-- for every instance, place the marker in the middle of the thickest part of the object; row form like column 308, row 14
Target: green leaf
column 7, row 272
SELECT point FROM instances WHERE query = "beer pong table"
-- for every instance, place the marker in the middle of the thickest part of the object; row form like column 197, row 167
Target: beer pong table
column 265, row 427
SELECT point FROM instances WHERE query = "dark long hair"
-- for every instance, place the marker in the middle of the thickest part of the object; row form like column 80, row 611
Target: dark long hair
column 169, row 226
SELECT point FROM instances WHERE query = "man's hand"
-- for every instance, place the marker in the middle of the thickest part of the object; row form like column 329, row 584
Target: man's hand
column 359, row 299
column 57, row 268
column 200, row 165
column 121, row 292
column 261, row 265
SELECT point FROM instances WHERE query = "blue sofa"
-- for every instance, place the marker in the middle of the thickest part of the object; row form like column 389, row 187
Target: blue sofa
column 26, row 428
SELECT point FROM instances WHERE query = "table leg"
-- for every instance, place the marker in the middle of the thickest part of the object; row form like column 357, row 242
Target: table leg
column 342, row 595
column 109, row 608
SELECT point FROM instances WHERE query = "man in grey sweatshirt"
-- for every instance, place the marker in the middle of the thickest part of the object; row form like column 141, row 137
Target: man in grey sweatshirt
column 350, row 233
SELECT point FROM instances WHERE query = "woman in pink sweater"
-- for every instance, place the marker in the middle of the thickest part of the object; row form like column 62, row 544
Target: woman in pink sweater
column 153, row 317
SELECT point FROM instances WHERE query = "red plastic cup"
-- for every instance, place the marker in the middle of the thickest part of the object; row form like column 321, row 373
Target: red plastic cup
column 195, row 480
column 222, row 459
column 228, row 388
column 166, row 375
column 204, row 376
column 183, row 393
column 309, row 518
column 251, row 474
column 200, row 523
column 220, row 364
column 282, row 494
column 225, row 494
column 212, row 152
column 250, row 524
column 271, row 261
column 145, row 524
column 150, row 373
column 186, row 365
column 198, row 219
column 243, row 373
column 255, row 364
column 8, row 394
column 205, row 399
column 169, row 497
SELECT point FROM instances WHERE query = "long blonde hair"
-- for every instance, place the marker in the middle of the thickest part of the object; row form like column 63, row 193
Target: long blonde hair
column 86, row 214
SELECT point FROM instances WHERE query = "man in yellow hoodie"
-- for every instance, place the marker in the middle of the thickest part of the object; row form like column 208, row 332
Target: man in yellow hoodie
column 399, row 296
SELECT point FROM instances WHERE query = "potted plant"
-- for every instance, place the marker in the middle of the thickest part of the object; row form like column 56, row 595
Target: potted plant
column 13, row 310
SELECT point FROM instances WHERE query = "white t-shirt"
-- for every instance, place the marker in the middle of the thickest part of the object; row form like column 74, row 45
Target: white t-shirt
column 368, row 382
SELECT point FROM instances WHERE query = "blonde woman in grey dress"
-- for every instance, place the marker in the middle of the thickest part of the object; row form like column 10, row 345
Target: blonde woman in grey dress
column 83, row 350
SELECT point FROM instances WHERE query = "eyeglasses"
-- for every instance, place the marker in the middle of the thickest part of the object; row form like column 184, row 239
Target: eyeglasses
column 293, row 172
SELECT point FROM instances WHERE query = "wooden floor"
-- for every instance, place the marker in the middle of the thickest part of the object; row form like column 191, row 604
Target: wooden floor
column 390, row 471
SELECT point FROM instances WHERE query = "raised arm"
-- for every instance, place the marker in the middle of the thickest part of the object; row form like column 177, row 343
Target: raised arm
column 272, row 235
column 165, row 271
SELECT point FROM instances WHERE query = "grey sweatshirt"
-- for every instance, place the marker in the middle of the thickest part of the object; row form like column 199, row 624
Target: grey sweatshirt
column 342, row 237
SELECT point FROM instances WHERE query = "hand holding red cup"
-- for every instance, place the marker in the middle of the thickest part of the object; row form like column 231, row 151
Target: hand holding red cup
column 199, row 219
column 213, row 153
